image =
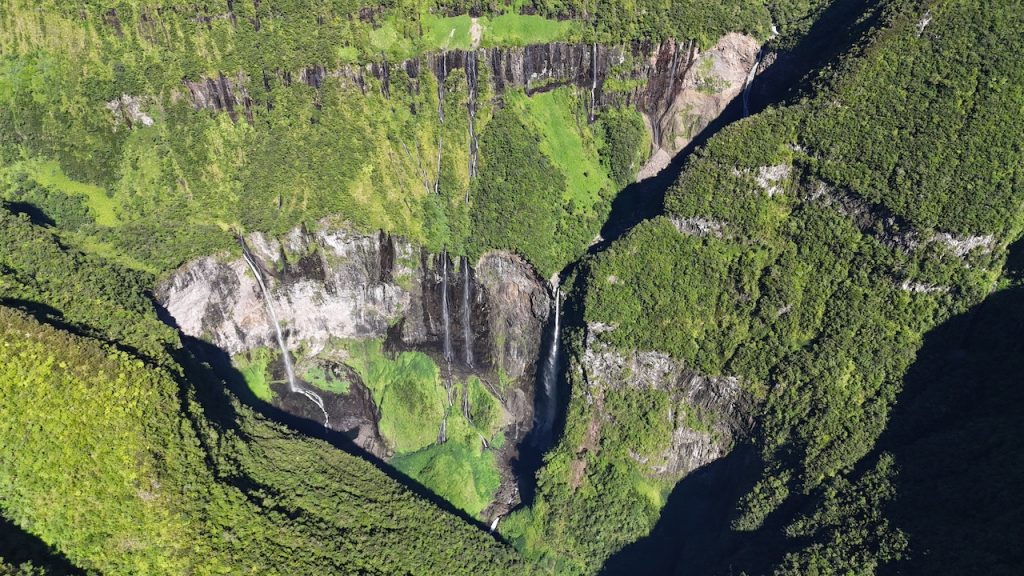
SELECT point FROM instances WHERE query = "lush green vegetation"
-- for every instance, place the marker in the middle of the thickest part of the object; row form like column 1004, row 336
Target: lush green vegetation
column 163, row 191
column 520, row 30
column 624, row 144
column 408, row 391
column 612, row 20
column 455, row 32
column 559, row 117
column 518, row 194
column 172, row 476
column 254, row 368
column 318, row 376
column 412, row 398
column 413, row 403
column 803, row 252
column 547, row 177
column 463, row 475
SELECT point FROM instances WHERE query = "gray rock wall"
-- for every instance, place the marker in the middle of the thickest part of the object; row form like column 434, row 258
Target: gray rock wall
column 725, row 410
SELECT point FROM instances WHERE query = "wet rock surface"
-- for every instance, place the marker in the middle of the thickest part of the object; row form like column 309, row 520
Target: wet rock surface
column 333, row 283
column 679, row 89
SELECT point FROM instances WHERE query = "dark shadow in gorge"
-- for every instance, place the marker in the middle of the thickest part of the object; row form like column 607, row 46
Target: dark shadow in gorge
column 212, row 375
column 836, row 32
column 46, row 314
column 538, row 441
column 18, row 546
column 955, row 434
column 35, row 214
column 693, row 535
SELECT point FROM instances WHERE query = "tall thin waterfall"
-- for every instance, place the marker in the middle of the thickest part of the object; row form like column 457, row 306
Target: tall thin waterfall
column 593, row 79
column 293, row 383
column 440, row 86
column 467, row 329
column 749, row 81
column 545, row 421
column 444, row 307
column 471, row 78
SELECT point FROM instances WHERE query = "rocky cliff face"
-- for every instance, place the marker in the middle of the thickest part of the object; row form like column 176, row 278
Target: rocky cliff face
column 334, row 284
column 688, row 89
column 678, row 88
column 325, row 283
column 708, row 414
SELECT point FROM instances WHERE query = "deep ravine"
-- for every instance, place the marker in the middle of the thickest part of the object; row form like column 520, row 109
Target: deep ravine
column 547, row 391
column 320, row 294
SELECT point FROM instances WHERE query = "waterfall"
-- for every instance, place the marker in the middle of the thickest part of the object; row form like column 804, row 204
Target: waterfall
column 440, row 86
column 593, row 79
column 467, row 329
column 471, row 78
column 444, row 307
column 545, row 422
column 293, row 384
column 675, row 70
column 749, row 81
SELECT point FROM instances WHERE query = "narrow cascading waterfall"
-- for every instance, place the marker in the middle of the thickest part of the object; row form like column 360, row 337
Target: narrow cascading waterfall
column 675, row 70
column 471, row 78
column 440, row 119
column 749, row 81
column 293, row 383
column 442, row 435
column 593, row 79
column 467, row 313
column 446, row 321
column 440, row 86
column 545, row 420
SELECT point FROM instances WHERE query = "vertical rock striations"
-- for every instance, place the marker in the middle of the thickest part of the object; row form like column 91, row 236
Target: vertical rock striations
column 332, row 284
column 678, row 88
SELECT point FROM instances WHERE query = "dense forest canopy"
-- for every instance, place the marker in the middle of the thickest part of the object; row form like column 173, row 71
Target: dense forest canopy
column 823, row 315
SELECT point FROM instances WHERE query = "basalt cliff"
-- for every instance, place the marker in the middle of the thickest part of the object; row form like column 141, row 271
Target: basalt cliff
column 482, row 319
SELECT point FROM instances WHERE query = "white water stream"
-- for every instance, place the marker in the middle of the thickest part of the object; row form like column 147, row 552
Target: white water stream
column 293, row 384
column 549, row 379
column 467, row 329
column 444, row 308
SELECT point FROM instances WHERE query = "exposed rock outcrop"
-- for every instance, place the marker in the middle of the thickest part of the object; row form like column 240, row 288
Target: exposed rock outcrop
column 678, row 88
column 689, row 89
column 333, row 283
column 331, row 286
column 128, row 109
column 697, row 226
column 709, row 414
